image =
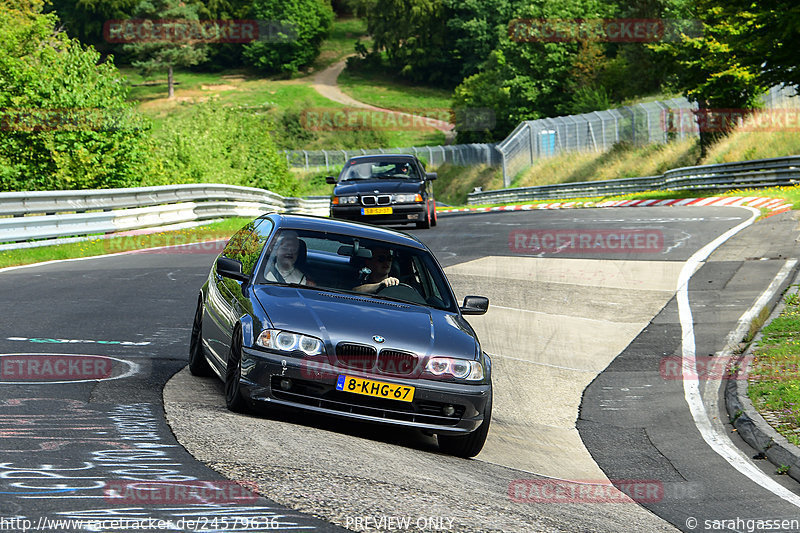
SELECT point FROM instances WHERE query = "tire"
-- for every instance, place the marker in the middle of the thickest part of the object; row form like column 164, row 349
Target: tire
column 471, row 444
column 426, row 223
column 434, row 219
column 233, row 375
column 198, row 364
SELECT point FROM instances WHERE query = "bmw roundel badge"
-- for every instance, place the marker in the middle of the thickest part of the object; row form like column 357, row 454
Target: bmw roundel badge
column 378, row 339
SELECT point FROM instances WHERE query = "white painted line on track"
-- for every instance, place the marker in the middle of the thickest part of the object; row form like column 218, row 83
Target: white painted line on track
column 711, row 392
column 86, row 258
column 747, row 318
column 721, row 444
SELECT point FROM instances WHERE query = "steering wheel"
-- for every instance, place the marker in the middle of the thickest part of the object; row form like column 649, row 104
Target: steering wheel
column 398, row 285
column 402, row 291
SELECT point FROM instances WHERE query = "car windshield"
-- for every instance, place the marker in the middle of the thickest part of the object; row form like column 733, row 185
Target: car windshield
column 380, row 170
column 329, row 261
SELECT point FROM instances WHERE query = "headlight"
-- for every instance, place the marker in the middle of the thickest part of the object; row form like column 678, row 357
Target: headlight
column 407, row 198
column 286, row 341
column 458, row 368
column 345, row 200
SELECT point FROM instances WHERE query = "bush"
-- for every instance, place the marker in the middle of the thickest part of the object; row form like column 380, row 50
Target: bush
column 207, row 143
column 66, row 122
column 307, row 23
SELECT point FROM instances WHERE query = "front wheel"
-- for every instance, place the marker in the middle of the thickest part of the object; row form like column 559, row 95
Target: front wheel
column 233, row 376
column 471, row 444
column 426, row 222
column 198, row 364
column 435, row 219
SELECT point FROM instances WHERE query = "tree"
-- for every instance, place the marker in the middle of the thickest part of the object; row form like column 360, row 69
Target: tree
column 524, row 78
column 712, row 72
column 435, row 41
column 763, row 35
column 84, row 19
column 303, row 25
column 412, row 33
column 162, row 49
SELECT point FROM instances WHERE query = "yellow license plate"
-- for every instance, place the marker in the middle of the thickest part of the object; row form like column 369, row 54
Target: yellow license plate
column 376, row 211
column 378, row 389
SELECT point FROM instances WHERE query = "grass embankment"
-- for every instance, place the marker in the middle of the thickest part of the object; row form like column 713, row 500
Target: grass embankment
column 341, row 42
column 293, row 105
column 774, row 377
column 100, row 246
column 630, row 161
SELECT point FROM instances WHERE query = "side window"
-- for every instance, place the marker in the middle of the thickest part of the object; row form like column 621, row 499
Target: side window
column 246, row 244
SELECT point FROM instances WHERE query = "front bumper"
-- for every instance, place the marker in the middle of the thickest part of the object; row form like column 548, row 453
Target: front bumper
column 313, row 388
column 401, row 214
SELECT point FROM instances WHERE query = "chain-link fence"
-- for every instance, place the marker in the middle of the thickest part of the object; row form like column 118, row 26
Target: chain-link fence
column 651, row 122
column 459, row 154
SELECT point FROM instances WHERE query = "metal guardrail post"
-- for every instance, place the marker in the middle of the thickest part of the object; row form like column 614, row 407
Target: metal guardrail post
column 506, row 180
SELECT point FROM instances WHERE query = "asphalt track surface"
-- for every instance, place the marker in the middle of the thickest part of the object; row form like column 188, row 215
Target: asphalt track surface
column 578, row 338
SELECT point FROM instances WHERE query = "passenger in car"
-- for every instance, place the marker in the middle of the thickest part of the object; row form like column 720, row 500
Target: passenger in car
column 288, row 256
column 379, row 266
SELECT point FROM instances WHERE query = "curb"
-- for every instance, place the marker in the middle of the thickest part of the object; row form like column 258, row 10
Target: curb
column 748, row 422
column 774, row 205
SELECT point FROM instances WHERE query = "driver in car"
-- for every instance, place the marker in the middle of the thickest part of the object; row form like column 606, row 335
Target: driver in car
column 378, row 277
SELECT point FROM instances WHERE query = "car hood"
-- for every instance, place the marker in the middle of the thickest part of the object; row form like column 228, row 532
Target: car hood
column 384, row 186
column 336, row 317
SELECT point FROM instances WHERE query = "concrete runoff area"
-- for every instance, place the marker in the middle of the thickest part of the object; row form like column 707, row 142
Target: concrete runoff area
column 542, row 363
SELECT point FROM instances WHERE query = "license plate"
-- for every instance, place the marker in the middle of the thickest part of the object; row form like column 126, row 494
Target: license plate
column 378, row 389
column 376, row 210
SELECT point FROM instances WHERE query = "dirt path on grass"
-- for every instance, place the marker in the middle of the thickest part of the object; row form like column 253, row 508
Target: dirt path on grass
column 324, row 82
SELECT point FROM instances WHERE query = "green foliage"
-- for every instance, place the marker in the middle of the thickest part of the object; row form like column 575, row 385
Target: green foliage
column 66, row 121
column 84, row 19
column 152, row 55
column 209, row 143
column 526, row 80
column 709, row 69
column 411, row 32
column 439, row 41
column 763, row 36
column 307, row 23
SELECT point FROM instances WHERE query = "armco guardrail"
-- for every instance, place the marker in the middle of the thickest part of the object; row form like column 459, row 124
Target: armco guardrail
column 459, row 154
column 58, row 214
column 775, row 172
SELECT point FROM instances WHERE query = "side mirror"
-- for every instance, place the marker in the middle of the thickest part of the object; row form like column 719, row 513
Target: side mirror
column 330, row 179
column 474, row 305
column 230, row 268
column 430, row 176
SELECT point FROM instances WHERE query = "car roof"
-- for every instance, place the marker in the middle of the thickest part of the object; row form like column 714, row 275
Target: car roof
column 382, row 157
column 344, row 227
